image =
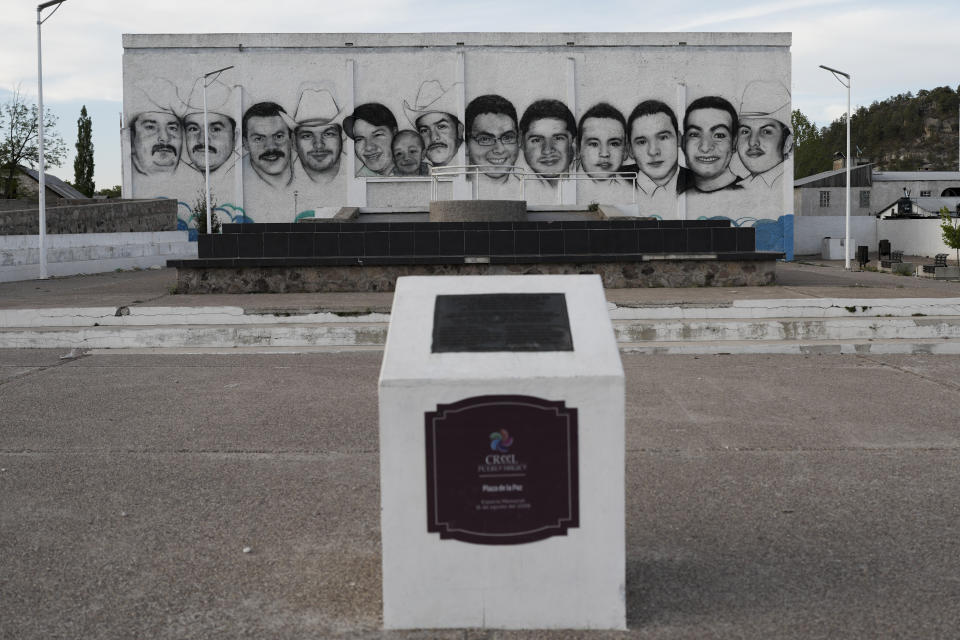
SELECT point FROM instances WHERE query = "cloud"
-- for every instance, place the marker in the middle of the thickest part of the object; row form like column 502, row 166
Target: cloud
column 752, row 12
column 871, row 39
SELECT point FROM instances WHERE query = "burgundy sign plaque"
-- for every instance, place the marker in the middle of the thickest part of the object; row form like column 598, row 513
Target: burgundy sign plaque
column 502, row 469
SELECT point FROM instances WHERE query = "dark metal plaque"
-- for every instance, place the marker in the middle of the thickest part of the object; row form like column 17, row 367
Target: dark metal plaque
column 502, row 470
column 501, row 322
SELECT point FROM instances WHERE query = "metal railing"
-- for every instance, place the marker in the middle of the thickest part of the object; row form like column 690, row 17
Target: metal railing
column 438, row 174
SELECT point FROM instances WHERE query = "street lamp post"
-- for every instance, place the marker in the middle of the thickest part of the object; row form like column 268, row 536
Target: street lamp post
column 42, row 204
column 846, row 243
column 206, row 140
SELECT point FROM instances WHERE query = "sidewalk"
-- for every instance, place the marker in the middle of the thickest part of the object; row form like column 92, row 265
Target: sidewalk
column 823, row 279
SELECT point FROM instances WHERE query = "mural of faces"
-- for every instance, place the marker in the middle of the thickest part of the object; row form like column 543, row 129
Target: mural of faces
column 654, row 144
column 221, row 135
column 408, row 153
column 442, row 134
column 268, row 141
column 548, row 146
column 709, row 141
column 602, row 146
column 319, row 147
column 373, row 145
column 156, row 141
column 761, row 143
column 494, row 141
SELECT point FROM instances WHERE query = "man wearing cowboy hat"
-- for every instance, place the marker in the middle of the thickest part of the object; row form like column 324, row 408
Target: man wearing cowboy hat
column 317, row 135
column 156, row 133
column 764, row 139
column 432, row 116
column 266, row 136
column 220, row 126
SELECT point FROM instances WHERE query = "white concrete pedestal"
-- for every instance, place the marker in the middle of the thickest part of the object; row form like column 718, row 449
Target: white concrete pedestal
column 574, row 579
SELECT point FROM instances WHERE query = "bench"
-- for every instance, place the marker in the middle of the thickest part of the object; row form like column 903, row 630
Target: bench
column 939, row 260
column 894, row 258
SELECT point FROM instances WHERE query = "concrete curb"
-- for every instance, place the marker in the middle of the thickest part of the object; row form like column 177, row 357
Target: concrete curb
column 830, row 325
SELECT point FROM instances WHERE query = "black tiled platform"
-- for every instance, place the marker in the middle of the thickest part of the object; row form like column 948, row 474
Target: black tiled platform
column 452, row 242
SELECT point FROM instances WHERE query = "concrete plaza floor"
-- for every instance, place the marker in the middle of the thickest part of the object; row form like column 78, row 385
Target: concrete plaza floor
column 767, row 497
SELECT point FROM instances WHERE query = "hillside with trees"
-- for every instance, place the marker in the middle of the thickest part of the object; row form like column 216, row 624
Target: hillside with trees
column 906, row 132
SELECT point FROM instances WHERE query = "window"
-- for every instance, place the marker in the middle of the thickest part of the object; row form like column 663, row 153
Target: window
column 864, row 199
column 824, row 198
column 924, row 194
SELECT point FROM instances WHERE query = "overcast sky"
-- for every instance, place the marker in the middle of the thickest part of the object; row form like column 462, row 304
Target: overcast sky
column 889, row 47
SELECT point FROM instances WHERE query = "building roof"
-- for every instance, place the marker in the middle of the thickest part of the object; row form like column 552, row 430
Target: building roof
column 932, row 205
column 55, row 184
column 914, row 176
column 859, row 177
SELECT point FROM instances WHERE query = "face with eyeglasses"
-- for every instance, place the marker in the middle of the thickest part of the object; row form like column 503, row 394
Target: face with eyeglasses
column 548, row 146
column 493, row 140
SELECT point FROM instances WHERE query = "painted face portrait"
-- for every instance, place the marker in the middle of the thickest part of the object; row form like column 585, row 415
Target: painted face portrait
column 602, row 146
column 708, row 142
column 268, row 141
column 221, row 131
column 374, row 146
column 319, row 147
column 548, row 146
column 441, row 136
column 493, row 140
column 653, row 141
column 157, row 141
column 760, row 144
column 408, row 153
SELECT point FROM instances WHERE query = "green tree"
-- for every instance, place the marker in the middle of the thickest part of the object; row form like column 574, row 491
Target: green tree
column 111, row 192
column 950, row 227
column 83, row 163
column 19, row 140
column 808, row 155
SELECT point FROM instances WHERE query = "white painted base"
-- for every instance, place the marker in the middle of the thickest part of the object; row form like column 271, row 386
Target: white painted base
column 72, row 254
column 572, row 581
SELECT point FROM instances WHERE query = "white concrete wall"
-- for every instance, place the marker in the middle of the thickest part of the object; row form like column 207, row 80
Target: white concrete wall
column 71, row 254
column 809, row 232
column 577, row 69
column 913, row 237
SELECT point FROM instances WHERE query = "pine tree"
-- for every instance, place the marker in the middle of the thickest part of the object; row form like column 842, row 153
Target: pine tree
column 83, row 163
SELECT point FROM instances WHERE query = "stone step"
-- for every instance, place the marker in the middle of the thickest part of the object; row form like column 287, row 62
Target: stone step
column 768, row 335
column 776, row 326
column 926, row 327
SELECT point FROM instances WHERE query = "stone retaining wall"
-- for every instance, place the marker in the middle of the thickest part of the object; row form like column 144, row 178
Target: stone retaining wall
column 111, row 216
column 334, row 278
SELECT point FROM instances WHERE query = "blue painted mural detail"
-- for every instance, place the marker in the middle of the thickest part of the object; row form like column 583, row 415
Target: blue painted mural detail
column 225, row 212
column 772, row 235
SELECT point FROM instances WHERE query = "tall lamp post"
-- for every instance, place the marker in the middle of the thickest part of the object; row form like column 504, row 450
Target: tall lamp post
column 43, row 169
column 846, row 243
column 206, row 138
